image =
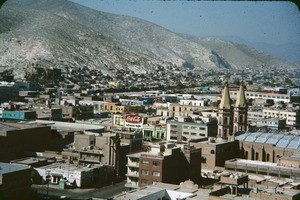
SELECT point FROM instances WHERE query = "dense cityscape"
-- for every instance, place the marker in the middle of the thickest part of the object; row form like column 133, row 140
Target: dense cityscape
column 75, row 134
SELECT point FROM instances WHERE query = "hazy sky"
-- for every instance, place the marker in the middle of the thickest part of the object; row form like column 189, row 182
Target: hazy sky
column 253, row 21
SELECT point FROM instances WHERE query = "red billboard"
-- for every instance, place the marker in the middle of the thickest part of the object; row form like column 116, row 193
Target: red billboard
column 134, row 121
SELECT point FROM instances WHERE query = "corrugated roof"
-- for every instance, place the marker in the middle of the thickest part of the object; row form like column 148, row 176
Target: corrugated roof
column 294, row 143
column 274, row 139
column 284, row 141
column 252, row 137
column 263, row 137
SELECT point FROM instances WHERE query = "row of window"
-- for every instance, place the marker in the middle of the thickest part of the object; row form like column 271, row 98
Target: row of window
column 266, row 96
column 154, row 163
column 146, row 172
column 194, row 127
column 269, row 113
column 194, row 134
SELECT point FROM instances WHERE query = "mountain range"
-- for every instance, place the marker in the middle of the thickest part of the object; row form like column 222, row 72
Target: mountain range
column 63, row 34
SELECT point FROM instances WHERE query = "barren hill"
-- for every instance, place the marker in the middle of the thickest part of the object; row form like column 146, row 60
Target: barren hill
column 59, row 33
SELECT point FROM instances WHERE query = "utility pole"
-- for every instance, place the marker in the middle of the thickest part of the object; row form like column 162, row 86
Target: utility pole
column 48, row 179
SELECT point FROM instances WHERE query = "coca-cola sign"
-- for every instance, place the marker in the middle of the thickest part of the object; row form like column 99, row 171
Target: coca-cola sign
column 133, row 119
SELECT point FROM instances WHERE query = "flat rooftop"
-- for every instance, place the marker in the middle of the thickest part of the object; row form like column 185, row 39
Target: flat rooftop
column 6, row 127
column 9, row 126
column 6, row 168
column 68, row 126
column 66, row 167
column 170, row 191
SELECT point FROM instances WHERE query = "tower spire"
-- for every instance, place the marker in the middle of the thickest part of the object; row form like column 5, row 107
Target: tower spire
column 241, row 99
column 225, row 101
column 225, row 115
column 240, row 111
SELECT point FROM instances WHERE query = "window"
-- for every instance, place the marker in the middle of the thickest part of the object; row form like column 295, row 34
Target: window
column 225, row 120
column 241, row 118
column 145, row 162
column 144, row 181
column 268, row 157
column 145, row 172
column 154, row 173
column 156, row 163
column 256, row 156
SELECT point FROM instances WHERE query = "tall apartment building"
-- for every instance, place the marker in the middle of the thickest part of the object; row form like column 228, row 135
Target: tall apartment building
column 171, row 165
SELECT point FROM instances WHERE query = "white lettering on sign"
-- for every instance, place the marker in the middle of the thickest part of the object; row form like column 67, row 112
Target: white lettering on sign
column 135, row 119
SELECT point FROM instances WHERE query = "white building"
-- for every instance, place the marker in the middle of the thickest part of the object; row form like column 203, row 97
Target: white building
column 193, row 102
column 292, row 116
column 78, row 175
column 187, row 129
column 263, row 95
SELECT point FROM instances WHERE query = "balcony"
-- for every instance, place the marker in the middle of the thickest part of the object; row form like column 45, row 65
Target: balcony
column 133, row 164
column 132, row 174
column 134, row 185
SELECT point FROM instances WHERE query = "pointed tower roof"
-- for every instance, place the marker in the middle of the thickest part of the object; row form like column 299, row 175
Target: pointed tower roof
column 241, row 99
column 225, row 101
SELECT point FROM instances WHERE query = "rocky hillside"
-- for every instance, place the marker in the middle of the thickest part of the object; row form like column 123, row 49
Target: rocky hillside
column 59, row 33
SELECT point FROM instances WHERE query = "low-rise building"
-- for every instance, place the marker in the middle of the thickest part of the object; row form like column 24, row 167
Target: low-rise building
column 54, row 114
column 186, row 190
column 271, row 123
column 185, row 128
column 77, row 112
column 16, row 139
column 267, row 147
column 215, row 152
column 15, row 181
column 263, row 95
column 9, row 92
column 79, row 176
column 291, row 115
column 266, row 168
column 18, row 115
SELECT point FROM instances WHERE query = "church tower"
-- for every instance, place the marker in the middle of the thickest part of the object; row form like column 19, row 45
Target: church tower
column 240, row 111
column 225, row 115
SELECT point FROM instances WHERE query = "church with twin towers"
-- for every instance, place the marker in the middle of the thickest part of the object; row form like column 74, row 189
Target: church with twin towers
column 232, row 118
